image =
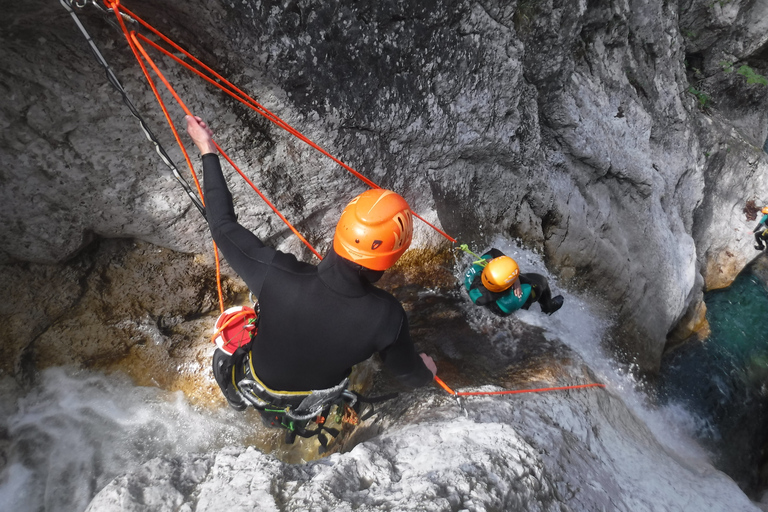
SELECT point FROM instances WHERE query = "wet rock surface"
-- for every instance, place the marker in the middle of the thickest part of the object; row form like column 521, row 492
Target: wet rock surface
column 536, row 453
column 571, row 125
column 121, row 305
column 609, row 136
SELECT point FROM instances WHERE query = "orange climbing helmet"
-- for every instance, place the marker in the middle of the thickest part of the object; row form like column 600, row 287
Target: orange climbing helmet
column 765, row 210
column 375, row 229
column 499, row 274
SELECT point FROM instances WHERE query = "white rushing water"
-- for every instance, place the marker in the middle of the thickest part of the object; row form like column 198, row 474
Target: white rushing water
column 75, row 431
column 580, row 326
column 76, row 435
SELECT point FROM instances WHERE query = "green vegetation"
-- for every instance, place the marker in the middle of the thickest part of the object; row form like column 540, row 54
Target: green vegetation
column 745, row 71
column 704, row 99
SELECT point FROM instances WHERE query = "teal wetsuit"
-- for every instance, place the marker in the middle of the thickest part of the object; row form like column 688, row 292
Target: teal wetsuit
column 504, row 303
column 535, row 289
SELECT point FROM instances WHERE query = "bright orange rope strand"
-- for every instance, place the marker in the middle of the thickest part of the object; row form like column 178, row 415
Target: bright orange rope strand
column 226, row 157
column 248, row 101
column 512, row 392
column 264, row 198
column 115, row 6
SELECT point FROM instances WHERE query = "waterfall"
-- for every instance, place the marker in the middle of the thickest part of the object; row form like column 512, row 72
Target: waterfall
column 76, row 430
column 83, row 437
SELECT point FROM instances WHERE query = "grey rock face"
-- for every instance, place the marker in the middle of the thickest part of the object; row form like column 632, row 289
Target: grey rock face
column 549, row 455
column 568, row 124
column 148, row 310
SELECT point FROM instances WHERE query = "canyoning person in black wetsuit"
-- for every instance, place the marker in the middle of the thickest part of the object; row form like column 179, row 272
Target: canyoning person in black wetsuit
column 496, row 283
column 761, row 230
column 315, row 321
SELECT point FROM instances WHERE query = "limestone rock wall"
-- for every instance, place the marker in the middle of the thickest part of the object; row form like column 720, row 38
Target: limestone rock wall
column 132, row 305
column 494, row 456
column 569, row 124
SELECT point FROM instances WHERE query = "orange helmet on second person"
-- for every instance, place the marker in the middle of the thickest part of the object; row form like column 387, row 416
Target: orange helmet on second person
column 499, row 274
column 765, row 210
column 375, row 229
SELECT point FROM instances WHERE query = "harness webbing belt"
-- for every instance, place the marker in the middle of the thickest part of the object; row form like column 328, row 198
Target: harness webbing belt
column 297, row 405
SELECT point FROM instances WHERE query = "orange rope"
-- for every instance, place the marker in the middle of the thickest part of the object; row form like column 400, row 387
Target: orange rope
column 248, row 101
column 512, row 392
column 114, row 4
column 135, row 44
column 138, row 51
column 264, row 198
column 444, row 385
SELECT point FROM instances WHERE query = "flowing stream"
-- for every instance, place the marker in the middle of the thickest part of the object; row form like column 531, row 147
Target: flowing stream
column 75, row 431
column 723, row 381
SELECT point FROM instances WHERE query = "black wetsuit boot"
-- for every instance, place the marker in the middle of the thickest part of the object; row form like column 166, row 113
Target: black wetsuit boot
column 541, row 293
column 759, row 241
column 553, row 305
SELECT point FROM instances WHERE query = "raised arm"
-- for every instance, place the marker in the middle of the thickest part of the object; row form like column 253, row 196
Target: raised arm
column 243, row 250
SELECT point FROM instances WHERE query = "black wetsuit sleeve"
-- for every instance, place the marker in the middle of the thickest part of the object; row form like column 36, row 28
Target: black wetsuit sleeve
column 402, row 360
column 486, row 296
column 243, row 250
column 760, row 226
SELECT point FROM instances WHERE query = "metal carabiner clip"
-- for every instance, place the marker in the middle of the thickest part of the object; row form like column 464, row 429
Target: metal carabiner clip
column 80, row 4
column 461, row 405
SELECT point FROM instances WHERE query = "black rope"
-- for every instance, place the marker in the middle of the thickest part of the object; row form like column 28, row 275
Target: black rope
column 119, row 88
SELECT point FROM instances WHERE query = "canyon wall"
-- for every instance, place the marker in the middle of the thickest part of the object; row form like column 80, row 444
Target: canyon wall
column 609, row 135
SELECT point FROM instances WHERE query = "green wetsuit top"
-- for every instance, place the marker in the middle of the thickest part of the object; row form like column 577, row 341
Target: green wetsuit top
column 506, row 302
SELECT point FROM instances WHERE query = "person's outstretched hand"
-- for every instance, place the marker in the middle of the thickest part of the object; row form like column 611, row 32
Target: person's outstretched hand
column 201, row 135
column 429, row 363
column 517, row 288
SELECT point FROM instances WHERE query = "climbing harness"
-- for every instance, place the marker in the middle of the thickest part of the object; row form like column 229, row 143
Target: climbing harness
column 297, row 405
column 295, row 410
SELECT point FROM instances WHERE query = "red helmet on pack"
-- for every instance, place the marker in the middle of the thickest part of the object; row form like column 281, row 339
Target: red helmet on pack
column 375, row 229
